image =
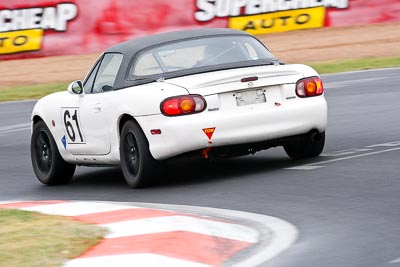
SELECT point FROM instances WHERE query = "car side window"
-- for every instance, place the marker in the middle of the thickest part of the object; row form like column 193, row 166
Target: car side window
column 87, row 86
column 107, row 73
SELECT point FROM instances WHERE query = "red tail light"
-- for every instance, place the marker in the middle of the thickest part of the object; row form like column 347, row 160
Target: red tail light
column 307, row 87
column 183, row 105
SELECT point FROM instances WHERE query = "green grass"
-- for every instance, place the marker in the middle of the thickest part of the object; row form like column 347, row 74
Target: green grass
column 37, row 91
column 356, row 64
column 36, row 240
column 30, row 91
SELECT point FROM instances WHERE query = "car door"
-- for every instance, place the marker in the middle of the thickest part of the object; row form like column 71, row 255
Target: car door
column 88, row 123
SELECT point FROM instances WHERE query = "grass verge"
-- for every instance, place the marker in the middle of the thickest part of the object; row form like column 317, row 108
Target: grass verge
column 36, row 240
column 30, row 91
column 37, row 91
column 355, row 64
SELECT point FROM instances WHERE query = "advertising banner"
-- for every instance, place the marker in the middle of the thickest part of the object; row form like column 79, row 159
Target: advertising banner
column 38, row 28
column 281, row 21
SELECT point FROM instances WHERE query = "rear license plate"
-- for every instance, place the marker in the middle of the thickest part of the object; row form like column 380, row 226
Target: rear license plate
column 250, row 97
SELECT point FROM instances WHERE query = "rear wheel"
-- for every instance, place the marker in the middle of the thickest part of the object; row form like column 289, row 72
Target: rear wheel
column 48, row 165
column 138, row 166
column 310, row 147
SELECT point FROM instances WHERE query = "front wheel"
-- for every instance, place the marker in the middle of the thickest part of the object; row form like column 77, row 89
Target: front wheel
column 48, row 165
column 138, row 166
column 311, row 146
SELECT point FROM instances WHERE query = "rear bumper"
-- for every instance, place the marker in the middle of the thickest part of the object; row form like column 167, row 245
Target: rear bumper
column 247, row 124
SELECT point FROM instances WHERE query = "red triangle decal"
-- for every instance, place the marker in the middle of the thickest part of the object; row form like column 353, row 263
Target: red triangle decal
column 209, row 132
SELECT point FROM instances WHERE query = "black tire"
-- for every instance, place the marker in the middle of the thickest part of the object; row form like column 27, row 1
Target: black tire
column 138, row 166
column 310, row 147
column 48, row 165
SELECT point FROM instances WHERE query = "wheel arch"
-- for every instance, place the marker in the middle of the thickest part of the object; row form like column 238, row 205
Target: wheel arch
column 123, row 119
column 36, row 119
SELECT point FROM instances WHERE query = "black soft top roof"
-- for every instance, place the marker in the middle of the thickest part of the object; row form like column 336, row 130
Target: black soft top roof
column 130, row 49
column 133, row 46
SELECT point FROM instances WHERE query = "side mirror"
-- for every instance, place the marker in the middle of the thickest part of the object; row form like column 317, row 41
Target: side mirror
column 76, row 87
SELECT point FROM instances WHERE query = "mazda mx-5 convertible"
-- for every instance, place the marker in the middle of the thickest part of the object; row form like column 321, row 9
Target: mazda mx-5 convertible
column 206, row 92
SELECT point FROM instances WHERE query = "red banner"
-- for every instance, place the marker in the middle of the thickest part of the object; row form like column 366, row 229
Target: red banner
column 38, row 28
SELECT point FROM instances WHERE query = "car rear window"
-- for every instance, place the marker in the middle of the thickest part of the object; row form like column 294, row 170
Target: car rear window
column 198, row 53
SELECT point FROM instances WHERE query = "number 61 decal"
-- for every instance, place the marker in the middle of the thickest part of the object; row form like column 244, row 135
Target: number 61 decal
column 72, row 127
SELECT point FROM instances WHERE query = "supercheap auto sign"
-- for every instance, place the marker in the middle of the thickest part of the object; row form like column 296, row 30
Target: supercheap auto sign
column 37, row 28
column 268, row 16
column 21, row 29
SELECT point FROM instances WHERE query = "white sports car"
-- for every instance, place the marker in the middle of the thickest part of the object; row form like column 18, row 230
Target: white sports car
column 205, row 92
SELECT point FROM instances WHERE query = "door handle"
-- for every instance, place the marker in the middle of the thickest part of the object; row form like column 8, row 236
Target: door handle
column 97, row 108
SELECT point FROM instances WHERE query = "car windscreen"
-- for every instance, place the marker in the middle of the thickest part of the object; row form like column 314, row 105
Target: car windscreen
column 200, row 53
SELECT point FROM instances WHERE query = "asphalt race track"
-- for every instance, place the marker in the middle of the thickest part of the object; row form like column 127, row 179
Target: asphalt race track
column 345, row 203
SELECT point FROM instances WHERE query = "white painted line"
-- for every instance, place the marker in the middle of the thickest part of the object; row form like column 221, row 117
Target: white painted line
column 356, row 156
column 13, row 131
column 363, row 150
column 360, row 71
column 338, row 154
column 18, row 101
column 389, row 144
column 346, row 158
column 129, row 260
column 395, row 261
column 305, row 167
column 351, row 82
column 16, row 126
column 76, row 208
column 346, row 152
column 182, row 223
